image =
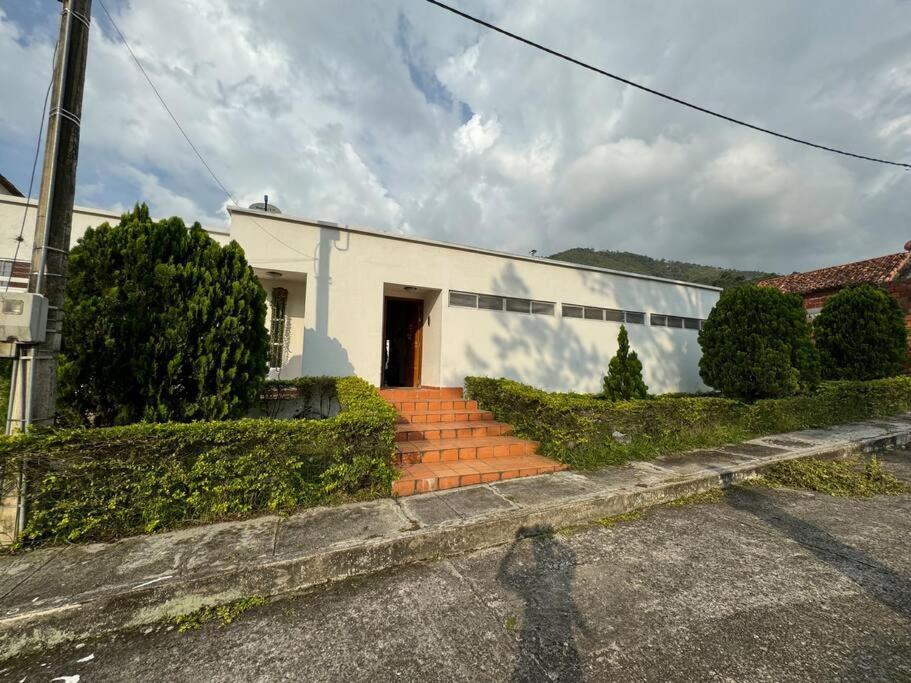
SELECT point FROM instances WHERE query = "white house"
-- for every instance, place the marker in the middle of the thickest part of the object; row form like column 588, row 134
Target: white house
column 401, row 310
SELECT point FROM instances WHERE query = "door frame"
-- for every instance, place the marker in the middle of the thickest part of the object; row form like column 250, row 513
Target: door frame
column 418, row 348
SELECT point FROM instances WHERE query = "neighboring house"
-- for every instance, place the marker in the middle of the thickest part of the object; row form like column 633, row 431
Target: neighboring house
column 7, row 188
column 401, row 310
column 891, row 272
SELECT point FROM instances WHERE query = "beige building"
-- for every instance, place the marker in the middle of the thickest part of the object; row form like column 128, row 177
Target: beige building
column 400, row 310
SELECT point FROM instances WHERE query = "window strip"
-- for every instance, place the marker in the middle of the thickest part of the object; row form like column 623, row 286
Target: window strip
column 675, row 321
column 495, row 302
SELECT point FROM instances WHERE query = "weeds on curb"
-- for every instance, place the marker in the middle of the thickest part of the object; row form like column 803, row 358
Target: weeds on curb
column 851, row 478
column 704, row 498
column 222, row 613
column 631, row 516
column 711, row 496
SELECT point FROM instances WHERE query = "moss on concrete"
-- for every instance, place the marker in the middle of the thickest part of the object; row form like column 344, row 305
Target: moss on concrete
column 704, row 498
column 224, row 614
column 631, row 516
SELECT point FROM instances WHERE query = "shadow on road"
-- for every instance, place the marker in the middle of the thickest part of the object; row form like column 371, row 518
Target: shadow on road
column 540, row 569
column 877, row 580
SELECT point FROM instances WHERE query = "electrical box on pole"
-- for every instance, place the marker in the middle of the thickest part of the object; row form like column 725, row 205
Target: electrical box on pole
column 23, row 320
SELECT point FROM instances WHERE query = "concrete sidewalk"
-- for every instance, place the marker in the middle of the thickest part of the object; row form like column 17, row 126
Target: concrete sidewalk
column 75, row 592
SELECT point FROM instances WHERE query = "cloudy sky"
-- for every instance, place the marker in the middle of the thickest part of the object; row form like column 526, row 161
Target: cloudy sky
column 395, row 115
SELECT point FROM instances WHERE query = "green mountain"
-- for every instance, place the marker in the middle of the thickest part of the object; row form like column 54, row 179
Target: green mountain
column 673, row 270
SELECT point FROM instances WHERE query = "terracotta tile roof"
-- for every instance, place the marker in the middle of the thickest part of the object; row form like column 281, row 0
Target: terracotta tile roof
column 879, row 270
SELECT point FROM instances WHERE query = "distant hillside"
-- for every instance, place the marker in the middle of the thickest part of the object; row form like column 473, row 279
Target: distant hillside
column 674, row 270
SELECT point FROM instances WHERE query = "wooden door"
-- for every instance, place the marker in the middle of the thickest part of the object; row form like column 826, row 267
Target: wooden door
column 402, row 342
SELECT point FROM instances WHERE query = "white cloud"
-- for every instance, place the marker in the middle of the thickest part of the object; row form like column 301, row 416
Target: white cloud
column 476, row 136
column 398, row 116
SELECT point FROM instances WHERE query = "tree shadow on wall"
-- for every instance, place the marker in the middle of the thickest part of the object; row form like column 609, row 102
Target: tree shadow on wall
column 672, row 353
column 540, row 570
column 543, row 351
column 550, row 352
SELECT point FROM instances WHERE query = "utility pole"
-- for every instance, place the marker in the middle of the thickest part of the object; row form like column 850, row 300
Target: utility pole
column 34, row 378
column 51, row 244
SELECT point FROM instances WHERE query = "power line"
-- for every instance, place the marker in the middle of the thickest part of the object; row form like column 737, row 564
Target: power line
column 31, row 180
column 183, row 132
column 658, row 93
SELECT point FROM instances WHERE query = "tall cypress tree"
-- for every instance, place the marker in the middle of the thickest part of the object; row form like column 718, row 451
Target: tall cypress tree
column 623, row 381
column 162, row 323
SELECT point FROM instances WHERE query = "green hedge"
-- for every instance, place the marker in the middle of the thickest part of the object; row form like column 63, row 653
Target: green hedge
column 100, row 484
column 578, row 429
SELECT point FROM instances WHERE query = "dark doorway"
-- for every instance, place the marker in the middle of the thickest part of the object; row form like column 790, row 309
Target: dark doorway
column 403, row 322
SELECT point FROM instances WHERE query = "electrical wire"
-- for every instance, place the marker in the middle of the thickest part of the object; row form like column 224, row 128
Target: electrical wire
column 658, row 93
column 183, row 132
column 31, row 180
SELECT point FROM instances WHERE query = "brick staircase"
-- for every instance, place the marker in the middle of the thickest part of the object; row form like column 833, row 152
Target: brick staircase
column 444, row 441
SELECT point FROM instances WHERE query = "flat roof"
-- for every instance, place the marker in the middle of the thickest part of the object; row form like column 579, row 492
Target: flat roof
column 461, row 247
column 90, row 211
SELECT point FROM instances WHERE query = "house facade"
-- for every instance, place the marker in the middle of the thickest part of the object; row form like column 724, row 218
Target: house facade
column 891, row 272
column 400, row 310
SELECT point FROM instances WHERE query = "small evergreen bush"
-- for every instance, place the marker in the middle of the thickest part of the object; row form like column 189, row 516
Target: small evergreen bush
column 624, row 373
column 756, row 344
column 861, row 334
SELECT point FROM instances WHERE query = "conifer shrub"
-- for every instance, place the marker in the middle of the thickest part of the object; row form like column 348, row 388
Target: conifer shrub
column 162, row 323
column 861, row 334
column 624, row 373
column 756, row 344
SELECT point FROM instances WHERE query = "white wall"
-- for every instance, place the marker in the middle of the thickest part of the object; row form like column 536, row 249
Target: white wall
column 347, row 271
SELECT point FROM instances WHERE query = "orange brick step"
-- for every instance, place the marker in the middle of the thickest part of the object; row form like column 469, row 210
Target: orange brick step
column 450, row 430
column 434, row 404
column 451, row 450
column 423, row 477
column 421, row 393
column 438, row 416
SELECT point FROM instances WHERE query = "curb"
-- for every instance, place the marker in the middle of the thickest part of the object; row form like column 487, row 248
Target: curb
column 129, row 608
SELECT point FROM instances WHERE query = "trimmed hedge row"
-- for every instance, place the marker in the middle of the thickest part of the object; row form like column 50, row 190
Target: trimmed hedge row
column 578, row 429
column 105, row 483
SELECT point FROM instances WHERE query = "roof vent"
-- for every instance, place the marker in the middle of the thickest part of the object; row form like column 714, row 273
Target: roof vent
column 265, row 206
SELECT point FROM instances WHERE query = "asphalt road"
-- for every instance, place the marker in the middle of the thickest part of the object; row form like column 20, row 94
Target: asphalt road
column 765, row 586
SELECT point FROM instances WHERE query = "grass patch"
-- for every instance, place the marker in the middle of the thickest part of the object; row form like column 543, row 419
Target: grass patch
column 511, row 623
column 224, row 614
column 852, row 478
